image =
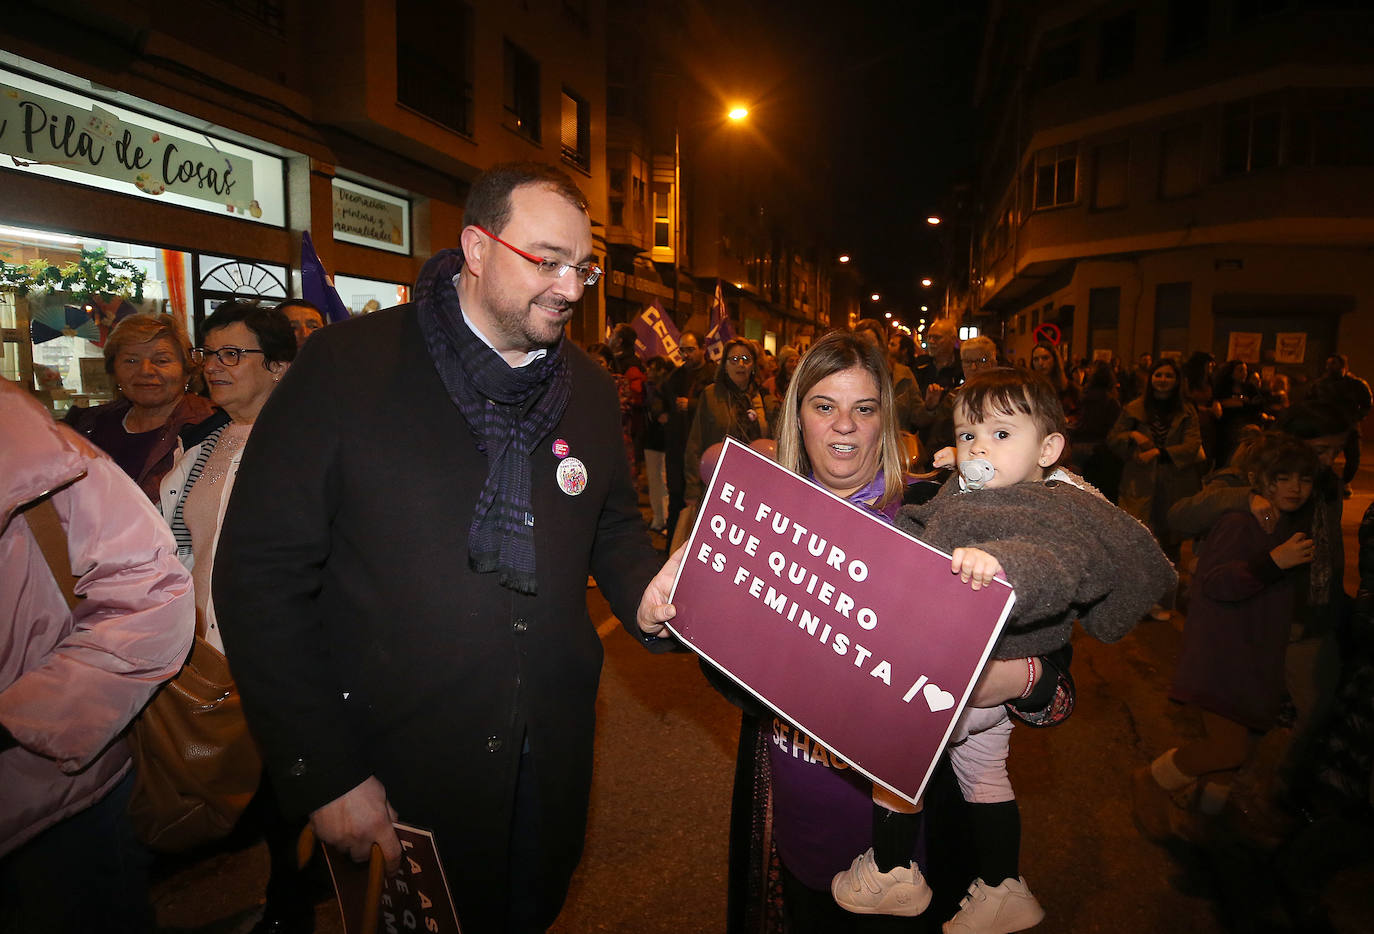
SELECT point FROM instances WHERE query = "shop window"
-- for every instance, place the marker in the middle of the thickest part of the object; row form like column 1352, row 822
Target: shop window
column 1180, row 161
column 521, row 92
column 1056, row 176
column 1173, row 304
column 1109, row 183
column 434, row 66
column 53, row 341
column 1189, row 23
column 1116, row 46
column 1104, row 312
column 364, row 296
column 221, row 278
column 1250, row 135
column 575, row 130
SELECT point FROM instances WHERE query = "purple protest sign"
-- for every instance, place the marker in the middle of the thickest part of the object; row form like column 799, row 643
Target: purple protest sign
column 851, row 629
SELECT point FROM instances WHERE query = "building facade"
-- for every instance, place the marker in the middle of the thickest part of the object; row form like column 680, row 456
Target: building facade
column 199, row 140
column 1169, row 177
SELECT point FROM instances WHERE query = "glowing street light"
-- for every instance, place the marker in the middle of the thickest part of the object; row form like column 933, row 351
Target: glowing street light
column 875, row 297
column 738, row 113
column 887, row 314
column 925, row 308
column 844, row 257
column 926, row 283
column 933, row 221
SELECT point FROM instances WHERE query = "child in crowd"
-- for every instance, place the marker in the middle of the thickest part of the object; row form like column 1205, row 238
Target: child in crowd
column 1232, row 664
column 1069, row 554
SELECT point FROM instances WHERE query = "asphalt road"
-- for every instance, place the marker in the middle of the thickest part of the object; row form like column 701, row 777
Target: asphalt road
column 656, row 844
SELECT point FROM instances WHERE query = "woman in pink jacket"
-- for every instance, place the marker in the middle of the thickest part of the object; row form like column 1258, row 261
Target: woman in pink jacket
column 71, row 680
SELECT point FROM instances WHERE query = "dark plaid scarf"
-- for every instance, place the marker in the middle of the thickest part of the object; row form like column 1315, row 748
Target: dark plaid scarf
column 508, row 409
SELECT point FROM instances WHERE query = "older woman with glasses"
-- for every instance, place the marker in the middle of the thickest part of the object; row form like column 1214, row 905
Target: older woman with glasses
column 150, row 360
column 245, row 352
column 731, row 406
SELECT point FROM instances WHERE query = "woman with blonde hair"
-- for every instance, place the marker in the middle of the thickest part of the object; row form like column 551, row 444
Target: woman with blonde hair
column 149, row 357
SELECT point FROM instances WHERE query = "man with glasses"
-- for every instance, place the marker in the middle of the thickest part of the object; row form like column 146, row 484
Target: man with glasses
column 403, row 567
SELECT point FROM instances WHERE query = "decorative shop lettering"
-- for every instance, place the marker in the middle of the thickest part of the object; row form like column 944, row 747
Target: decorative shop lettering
column 356, row 213
column 96, row 142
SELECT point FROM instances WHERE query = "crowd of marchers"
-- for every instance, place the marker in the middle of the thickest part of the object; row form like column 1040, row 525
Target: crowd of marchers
column 384, row 528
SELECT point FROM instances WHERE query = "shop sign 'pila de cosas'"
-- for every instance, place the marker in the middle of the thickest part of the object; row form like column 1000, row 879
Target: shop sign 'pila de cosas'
column 94, row 141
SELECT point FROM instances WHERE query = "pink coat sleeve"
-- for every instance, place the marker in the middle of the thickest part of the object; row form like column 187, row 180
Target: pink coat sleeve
column 101, row 663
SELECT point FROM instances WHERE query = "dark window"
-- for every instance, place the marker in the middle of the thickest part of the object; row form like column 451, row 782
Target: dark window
column 1335, row 128
column 1056, row 176
column 662, row 219
column 1109, row 187
column 1059, row 63
column 1116, row 46
column 574, row 130
column 1188, row 27
column 1250, row 133
column 522, row 91
column 1246, row 12
column 433, row 67
column 617, row 213
column 1180, row 161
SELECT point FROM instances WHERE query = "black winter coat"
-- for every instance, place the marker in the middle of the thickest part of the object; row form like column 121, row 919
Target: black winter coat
column 363, row 644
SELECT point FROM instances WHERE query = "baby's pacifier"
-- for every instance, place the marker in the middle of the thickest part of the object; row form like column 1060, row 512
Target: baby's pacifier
column 975, row 473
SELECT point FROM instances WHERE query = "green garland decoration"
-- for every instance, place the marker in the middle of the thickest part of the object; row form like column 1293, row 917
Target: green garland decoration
column 95, row 274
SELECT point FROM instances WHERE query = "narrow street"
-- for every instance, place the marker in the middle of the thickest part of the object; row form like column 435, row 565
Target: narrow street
column 655, row 859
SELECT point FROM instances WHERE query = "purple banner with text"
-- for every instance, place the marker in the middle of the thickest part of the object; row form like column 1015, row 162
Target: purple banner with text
column 854, row 631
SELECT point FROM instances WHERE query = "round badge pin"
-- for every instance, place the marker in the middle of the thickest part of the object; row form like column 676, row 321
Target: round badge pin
column 560, row 448
column 572, row 476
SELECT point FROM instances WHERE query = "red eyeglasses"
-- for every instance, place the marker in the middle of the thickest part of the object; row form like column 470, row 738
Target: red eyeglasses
column 554, row 269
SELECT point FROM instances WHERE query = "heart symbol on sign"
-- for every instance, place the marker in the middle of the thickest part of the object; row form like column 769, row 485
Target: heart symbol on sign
column 937, row 699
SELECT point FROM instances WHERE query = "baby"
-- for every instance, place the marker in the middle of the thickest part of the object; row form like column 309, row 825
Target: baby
column 1069, row 554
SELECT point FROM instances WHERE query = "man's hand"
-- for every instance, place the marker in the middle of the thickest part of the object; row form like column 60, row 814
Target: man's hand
column 1147, row 455
column 358, row 819
column 975, row 566
column 944, row 457
column 1264, row 512
column 1141, row 439
column 1297, row 550
column 654, row 608
column 934, row 393
column 682, row 403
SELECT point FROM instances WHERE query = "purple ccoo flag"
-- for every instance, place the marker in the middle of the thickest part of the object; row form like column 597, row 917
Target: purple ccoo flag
column 315, row 285
column 656, row 334
column 721, row 331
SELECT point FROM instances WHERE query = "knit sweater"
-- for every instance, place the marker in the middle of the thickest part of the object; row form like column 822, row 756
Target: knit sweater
column 1068, row 553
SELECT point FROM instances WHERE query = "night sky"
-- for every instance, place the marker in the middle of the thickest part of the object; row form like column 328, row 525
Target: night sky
column 879, row 95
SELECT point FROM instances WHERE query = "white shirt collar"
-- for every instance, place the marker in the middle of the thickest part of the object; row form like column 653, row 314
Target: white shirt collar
column 529, row 357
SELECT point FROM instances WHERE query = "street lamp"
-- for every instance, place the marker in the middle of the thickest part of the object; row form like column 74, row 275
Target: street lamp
column 933, row 221
column 738, row 113
column 875, row 297
column 844, row 257
column 926, row 283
